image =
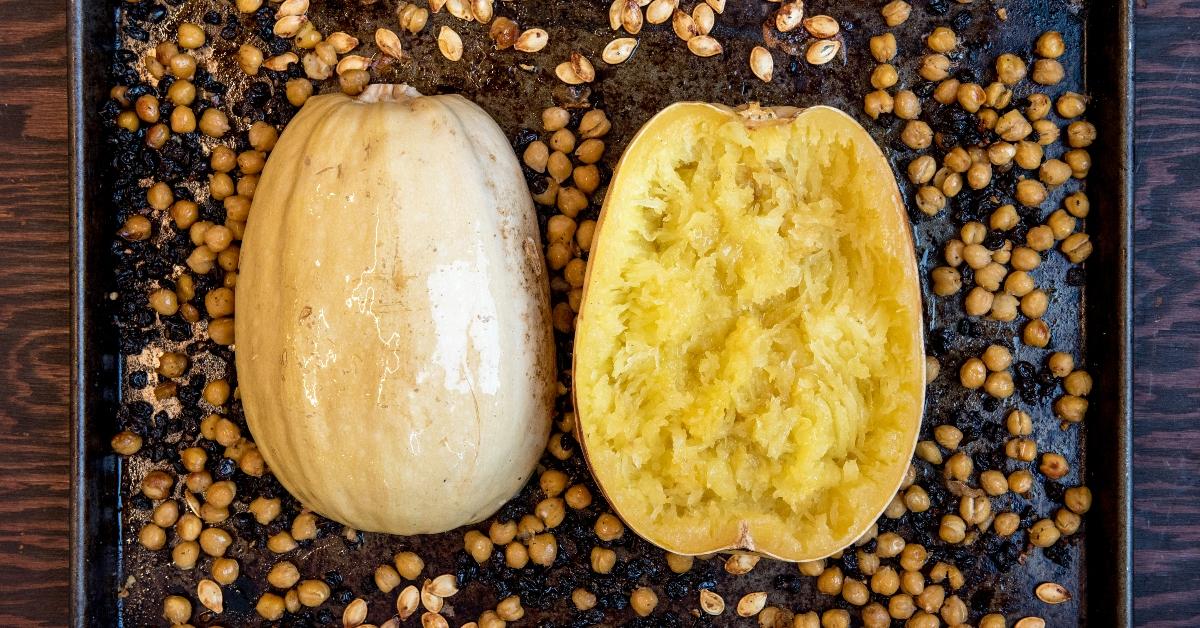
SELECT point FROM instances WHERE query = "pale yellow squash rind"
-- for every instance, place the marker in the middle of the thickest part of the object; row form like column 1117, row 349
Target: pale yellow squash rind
column 642, row 421
column 394, row 349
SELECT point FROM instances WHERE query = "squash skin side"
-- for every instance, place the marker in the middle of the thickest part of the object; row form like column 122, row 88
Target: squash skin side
column 395, row 351
column 749, row 540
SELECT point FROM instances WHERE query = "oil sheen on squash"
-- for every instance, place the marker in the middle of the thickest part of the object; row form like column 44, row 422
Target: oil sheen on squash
column 749, row 365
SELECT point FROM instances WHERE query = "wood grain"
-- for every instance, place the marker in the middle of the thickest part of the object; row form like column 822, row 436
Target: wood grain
column 34, row 340
column 1167, row 317
column 34, row 337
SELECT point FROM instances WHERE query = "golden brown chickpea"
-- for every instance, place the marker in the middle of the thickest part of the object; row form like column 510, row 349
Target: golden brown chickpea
column 1010, row 69
column 1054, row 172
column 970, row 97
column 1004, row 308
column 946, row 92
column 1044, row 533
column 1071, row 105
column 1050, row 45
column 298, row 91
column 972, row 373
column 182, row 65
column 214, row 123
column 1081, row 134
column 190, row 36
column 608, row 527
column 1005, row 524
column 877, row 103
column 934, row 67
column 916, row 499
column 312, row 593
column 946, row 281
column 1070, row 408
column 1029, row 155
column 214, row 541
column 930, row 200
column 884, row 76
column 978, row 302
column 906, row 105
column 643, row 601
column 830, row 581
column 990, row 276
column 603, row 560
column 1001, row 153
column 225, row 570
column 1036, row 333
column 1047, row 72
column 1047, row 132
column 883, row 47
column 942, row 39
column 1030, row 192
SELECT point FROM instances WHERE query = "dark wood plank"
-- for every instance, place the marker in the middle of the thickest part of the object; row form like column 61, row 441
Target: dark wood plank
column 34, row 337
column 1167, row 317
column 34, row 352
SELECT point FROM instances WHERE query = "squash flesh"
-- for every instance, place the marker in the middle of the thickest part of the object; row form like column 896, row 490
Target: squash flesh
column 747, row 347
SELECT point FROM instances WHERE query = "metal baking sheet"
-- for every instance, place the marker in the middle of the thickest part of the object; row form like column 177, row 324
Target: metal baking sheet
column 115, row 582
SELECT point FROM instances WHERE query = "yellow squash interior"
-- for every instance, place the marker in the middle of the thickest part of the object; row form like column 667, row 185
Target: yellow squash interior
column 749, row 366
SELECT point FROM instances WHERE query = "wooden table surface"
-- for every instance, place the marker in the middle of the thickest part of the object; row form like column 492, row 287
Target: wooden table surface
column 34, row 340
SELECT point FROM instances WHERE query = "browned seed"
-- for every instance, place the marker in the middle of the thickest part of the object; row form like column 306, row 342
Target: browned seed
column 566, row 74
column 1053, row 593
column 741, row 564
column 352, row 62
column 459, row 9
column 210, row 595
column 436, row 5
column 1030, row 622
column 619, row 50
column 684, row 26
column 631, row 17
column 445, row 585
column 388, row 42
column 751, row 604
column 762, row 63
column 705, row 19
column 342, row 42
column 823, row 51
column 789, row 16
column 717, row 5
column 433, row 620
column 289, row 25
column 355, row 613
column 431, row 602
column 660, row 11
column 614, row 14
column 482, row 10
column 450, row 43
column 407, row 602
column 711, row 603
column 704, row 46
column 279, row 63
column 532, row 40
column 821, row 26
column 291, row 7
column 583, row 67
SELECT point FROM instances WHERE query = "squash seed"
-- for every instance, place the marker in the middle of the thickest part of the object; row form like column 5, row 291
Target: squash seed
column 279, row 63
column 1053, row 593
column 762, row 63
column 660, row 11
column 704, row 46
column 789, row 16
column 614, row 14
column 391, row 623
column 711, row 603
column 388, row 42
column 355, row 613
column 823, row 51
column 751, row 604
column 619, row 50
column 459, row 9
column 450, row 43
column 413, row 18
column 684, row 26
column 210, row 595
column 431, row 602
column 342, row 42
column 821, row 26
column 705, row 19
column 436, row 5
column 583, row 67
column 352, row 62
column 532, row 40
column 288, row 25
column 1030, row 622
column 482, row 10
column 717, row 5
column 407, row 601
column 445, row 585
column 291, row 7
column 433, row 620
column 566, row 74
column 631, row 17
column 741, row 564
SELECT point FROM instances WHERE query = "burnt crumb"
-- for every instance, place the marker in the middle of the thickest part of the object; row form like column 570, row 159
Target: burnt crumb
column 938, row 7
column 1076, row 276
column 969, row 327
